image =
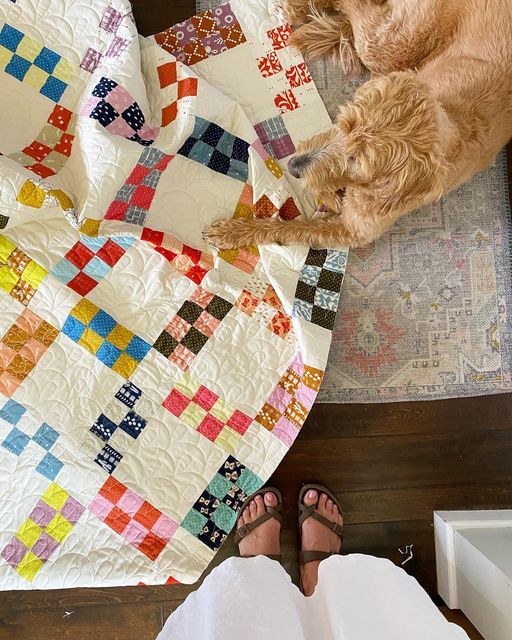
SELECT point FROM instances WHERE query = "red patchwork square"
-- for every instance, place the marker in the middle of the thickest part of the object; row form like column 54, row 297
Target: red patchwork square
column 117, row 210
column 196, row 274
column 193, row 254
column 82, row 283
column 41, row 170
column 79, row 255
column 205, row 24
column 168, row 40
column 161, row 165
column 194, row 52
column 60, row 117
column 65, row 144
column 37, row 150
column 138, row 174
column 112, row 490
column 176, row 402
column 233, row 36
column 289, row 210
column 117, row 520
column 111, row 252
column 210, row 427
column 152, row 546
column 142, row 196
column 152, row 236
column 205, row 398
column 147, row 515
column 239, row 422
column 187, row 87
column 167, row 74
column 169, row 114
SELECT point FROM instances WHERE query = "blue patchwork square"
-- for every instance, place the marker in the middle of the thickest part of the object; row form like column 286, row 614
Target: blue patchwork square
column 187, row 146
column 103, row 428
column 45, row 436
column 134, row 117
column 213, row 134
column 302, row 309
column 129, row 394
column 108, row 354
column 53, row 88
column 10, row 37
column 310, row 274
column 94, row 244
column 326, row 299
column 249, row 482
column 73, row 328
column 96, row 268
column 194, row 522
column 16, row 441
column 102, row 323
column 104, row 87
column 238, row 170
column 200, row 152
column 124, row 241
column 137, row 348
column 336, row 260
column 18, row 67
column 133, row 424
column 12, row 412
column 47, row 60
column 206, row 504
column 224, row 517
column 64, row 271
column 49, row 466
column 219, row 486
column 104, row 113
column 219, row 162
column 108, row 458
column 212, row 536
column 240, row 150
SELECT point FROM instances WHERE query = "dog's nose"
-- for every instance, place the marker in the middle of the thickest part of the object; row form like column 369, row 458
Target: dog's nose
column 294, row 166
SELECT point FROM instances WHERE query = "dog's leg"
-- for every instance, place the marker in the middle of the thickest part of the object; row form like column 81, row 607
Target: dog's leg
column 394, row 36
column 328, row 35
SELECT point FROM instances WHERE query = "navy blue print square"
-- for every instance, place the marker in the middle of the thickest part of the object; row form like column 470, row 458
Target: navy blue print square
column 104, row 113
column 108, row 458
column 212, row 135
column 103, row 428
column 212, row 536
column 134, row 116
column 129, row 394
column 104, row 87
column 133, row 424
column 240, row 150
column 187, row 147
column 219, row 162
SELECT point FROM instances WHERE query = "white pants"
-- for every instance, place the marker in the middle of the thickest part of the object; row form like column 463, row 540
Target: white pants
column 357, row 597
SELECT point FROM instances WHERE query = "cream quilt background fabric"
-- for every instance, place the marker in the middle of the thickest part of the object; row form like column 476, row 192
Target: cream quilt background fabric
column 147, row 383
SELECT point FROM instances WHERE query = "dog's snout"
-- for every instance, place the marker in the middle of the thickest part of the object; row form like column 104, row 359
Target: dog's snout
column 296, row 165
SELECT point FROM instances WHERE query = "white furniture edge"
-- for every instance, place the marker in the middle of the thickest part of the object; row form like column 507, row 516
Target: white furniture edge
column 446, row 523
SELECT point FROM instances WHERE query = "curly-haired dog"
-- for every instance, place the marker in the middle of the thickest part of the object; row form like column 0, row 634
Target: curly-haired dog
column 436, row 111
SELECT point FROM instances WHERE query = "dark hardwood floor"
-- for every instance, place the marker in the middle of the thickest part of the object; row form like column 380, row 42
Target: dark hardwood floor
column 391, row 465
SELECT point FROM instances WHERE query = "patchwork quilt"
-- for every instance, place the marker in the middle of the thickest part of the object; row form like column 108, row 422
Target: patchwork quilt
column 148, row 384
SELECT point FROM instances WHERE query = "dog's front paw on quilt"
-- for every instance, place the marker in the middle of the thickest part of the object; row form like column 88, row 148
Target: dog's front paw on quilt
column 228, row 234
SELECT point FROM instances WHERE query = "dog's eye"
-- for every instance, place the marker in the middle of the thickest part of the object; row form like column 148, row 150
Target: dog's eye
column 351, row 158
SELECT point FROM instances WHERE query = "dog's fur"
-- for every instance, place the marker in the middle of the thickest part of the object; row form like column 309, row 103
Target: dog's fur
column 437, row 110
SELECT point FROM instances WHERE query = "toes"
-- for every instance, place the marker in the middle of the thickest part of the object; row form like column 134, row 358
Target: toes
column 270, row 499
column 322, row 502
column 311, row 497
column 252, row 509
column 260, row 506
column 241, row 520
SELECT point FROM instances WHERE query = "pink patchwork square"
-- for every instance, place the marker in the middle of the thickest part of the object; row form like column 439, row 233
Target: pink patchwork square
column 285, row 431
column 182, row 357
column 202, row 297
column 178, row 328
column 147, row 132
column 130, row 503
column 210, row 427
column 239, row 422
column 8, row 384
column 135, row 533
column 182, row 262
column 90, row 105
column 257, row 145
column 100, row 506
column 206, row 324
column 120, row 127
column 279, row 398
column 164, row 527
column 6, row 355
column 205, row 398
column 305, row 395
column 119, row 98
column 33, row 350
column 247, row 302
column 176, row 402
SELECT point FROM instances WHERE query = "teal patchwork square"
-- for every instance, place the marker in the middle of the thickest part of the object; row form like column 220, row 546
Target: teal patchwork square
column 194, row 522
column 219, row 486
column 224, row 517
column 249, row 482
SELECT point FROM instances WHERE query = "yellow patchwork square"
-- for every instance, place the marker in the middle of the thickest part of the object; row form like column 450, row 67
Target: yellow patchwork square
column 90, row 227
column 125, row 365
column 193, row 415
column 29, row 49
column 274, row 168
column 6, row 248
column 36, row 77
column 222, row 410
column 55, row 496
column 243, row 211
column 29, row 533
column 34, row 274
column 5, row 56
column 31, row 195
column 8, row 278
column 64, row 70
column 90, row 340
column 120, row 337
column 59, row 528
column 188, row 386
column 228, row 440
column 29, row 566
column 85, row 311
column 62, row 198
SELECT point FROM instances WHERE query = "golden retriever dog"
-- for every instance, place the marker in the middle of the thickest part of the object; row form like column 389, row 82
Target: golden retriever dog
column 437, row 110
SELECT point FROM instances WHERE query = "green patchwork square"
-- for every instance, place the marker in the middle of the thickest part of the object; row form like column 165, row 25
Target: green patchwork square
column 219, row 486
column 224, row 517
column 249, row 482
column 194, row 522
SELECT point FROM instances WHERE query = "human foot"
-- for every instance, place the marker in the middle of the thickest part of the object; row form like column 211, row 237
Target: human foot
column 317, row 536
column 265, row 538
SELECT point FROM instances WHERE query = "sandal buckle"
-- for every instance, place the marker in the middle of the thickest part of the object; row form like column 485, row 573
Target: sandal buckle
column 243, row 531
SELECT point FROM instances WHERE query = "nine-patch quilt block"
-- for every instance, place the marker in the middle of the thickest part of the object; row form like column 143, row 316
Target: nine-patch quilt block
column 148, row 383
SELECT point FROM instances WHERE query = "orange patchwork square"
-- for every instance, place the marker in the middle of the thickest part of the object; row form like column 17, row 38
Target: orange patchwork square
column 167, row 74
column 112, row 490
column 117, row 520
column 169, row 114
column 268, row 416
column 147, row 515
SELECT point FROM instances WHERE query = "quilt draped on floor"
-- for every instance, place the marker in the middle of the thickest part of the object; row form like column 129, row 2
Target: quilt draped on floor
column 147, row 385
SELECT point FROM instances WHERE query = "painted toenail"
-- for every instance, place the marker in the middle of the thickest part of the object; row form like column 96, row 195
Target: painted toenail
column 311, row 494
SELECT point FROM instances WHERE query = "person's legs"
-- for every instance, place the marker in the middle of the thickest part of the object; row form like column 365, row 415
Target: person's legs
column 317, row 537
column 264, row 540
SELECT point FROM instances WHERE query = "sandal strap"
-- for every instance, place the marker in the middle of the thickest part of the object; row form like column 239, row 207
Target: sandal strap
column 309, row 512
column 311, row 556
column 245, row 529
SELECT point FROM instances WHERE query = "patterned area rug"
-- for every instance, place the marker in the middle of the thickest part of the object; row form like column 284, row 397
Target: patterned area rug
column 425, row 312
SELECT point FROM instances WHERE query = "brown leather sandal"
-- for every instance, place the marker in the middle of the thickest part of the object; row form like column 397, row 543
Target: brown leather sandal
column 270, row 512
column 306, row 512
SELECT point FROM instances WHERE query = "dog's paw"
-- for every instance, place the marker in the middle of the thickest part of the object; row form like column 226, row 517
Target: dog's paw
column 227, row 234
